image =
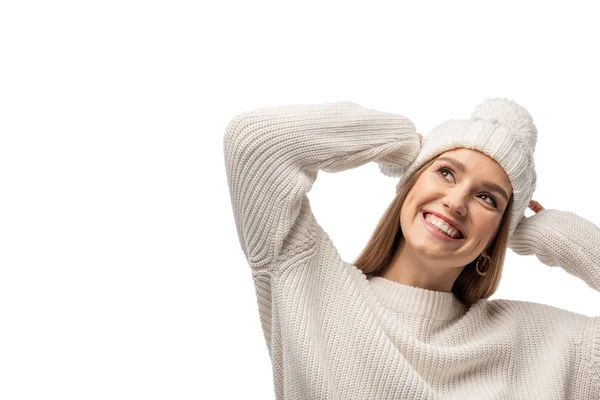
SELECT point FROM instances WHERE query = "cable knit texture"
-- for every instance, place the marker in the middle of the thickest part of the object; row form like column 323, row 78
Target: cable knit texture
column 333, row 332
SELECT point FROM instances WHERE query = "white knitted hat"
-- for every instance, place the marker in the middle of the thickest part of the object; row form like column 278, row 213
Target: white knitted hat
column 499, row 128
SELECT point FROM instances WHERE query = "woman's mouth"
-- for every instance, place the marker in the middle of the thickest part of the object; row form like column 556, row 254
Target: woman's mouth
column 437, row 232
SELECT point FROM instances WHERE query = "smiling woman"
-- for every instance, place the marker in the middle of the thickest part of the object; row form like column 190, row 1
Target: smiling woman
column 465, row 175
column 411, row 318
column 454, row 187
column 458, row 198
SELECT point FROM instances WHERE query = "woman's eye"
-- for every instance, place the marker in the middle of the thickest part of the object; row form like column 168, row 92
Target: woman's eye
column 444, row 169
column 493, row 200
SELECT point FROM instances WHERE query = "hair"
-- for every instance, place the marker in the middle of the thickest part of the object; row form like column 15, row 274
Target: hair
column 469, row 287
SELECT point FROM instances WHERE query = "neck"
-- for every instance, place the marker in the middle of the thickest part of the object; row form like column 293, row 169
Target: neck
column 409, row 269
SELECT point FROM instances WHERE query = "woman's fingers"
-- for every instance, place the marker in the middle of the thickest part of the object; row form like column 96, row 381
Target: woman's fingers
column 535, row 206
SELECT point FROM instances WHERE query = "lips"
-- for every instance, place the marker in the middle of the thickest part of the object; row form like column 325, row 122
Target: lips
column 452, row 224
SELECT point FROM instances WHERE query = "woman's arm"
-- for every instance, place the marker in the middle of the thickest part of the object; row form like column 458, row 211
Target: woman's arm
column 272, row 156
column 561, row 238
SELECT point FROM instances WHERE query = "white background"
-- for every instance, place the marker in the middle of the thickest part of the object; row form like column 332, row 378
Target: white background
column 121, row 275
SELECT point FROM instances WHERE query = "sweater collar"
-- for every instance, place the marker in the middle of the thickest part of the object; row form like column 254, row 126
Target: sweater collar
column 412, row 300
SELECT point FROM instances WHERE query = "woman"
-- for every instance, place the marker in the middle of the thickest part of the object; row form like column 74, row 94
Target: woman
column 410, row 318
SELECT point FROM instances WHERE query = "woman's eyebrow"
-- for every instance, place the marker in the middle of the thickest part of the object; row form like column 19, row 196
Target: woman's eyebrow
column 462, row 168
column 493, row 187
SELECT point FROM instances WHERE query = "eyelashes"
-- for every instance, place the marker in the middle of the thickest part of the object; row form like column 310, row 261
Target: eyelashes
column 448, row 169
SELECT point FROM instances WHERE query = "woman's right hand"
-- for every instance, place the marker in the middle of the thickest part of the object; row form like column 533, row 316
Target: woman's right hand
column 535, row 206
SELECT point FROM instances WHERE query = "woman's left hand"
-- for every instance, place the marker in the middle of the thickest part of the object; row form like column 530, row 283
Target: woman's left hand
column 535, row 206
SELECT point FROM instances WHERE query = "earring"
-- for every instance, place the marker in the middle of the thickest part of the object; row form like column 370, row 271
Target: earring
column 486, row 257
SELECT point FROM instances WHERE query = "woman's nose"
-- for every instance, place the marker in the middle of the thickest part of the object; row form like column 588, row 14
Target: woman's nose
column 456, row 203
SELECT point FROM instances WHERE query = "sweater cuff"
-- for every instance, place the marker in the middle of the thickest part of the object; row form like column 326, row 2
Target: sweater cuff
column 393, row 171
column 397, row 162
column 535, row 236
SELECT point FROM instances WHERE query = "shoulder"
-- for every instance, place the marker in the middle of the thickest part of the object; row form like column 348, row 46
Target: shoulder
column 528, row 307
column 536, row 318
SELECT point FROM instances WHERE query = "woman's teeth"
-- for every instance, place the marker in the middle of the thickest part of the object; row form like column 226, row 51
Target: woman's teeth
column 442, row 226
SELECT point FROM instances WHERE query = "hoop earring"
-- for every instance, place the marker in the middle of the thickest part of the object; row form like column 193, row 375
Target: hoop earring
column 487, row 258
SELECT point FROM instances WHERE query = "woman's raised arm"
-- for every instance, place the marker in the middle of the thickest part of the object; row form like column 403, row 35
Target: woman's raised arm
column 561, row 238
column 272, row 156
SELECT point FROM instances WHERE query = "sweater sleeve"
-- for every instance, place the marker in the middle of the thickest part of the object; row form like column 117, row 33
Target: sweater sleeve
column 272, row 156
column 561, row 238
column 593, row 357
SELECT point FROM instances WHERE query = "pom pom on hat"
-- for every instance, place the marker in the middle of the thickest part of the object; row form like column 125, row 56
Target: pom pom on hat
column 511, row 114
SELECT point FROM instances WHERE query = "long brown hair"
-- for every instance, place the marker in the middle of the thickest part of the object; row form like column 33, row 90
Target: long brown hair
column 469, row 287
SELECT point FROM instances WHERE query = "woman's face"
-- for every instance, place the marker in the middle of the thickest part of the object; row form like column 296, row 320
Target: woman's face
column 472, row 199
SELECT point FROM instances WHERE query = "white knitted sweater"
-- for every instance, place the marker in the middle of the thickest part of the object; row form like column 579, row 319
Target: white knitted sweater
column 333, row 332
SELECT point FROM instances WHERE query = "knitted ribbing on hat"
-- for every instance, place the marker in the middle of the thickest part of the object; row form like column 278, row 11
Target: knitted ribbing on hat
column 516, row 118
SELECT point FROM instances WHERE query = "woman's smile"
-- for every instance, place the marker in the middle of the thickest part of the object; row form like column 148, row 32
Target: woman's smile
column 437, row 233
